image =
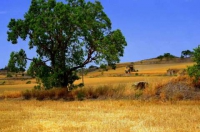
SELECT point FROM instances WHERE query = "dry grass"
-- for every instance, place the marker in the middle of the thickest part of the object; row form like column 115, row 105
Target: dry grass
column 121, row 80
column 160, row 68
column 102, row 115
column 20, row 87
column 177, row 88
column 11, row 94
column 99, row 116
column 144, row 69
column 17, row 82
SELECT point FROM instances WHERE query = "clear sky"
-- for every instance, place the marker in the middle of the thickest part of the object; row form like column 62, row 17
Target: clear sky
column 151, row 27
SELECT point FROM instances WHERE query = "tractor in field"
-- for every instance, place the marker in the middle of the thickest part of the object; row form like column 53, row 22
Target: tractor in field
column 130, row 68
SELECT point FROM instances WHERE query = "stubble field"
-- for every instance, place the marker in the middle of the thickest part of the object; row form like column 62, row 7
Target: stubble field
column 100, row 115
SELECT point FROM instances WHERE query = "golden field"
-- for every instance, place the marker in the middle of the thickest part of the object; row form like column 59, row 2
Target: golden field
column 105, row 115
column 99, row 116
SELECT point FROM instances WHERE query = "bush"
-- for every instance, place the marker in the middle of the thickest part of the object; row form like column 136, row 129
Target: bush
column 27, row 94
column 37, row 87
column 179, row 88
column 52, row 94
column 9, row 75
column 28, row 82
column 71, row 96
column 104, row 67
column 2, row 83
column 193, row 71
column 80, row 95
column 44, row 94
column 61, row 93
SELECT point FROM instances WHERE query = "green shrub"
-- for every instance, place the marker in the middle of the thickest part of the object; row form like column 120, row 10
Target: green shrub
column 37, row 87
column 80, row 95
column 28, row 82
column 193, row 71
column 9, row 75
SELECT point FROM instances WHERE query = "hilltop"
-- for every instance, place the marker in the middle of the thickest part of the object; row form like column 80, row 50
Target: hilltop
column 151, row 66
column 157, row 61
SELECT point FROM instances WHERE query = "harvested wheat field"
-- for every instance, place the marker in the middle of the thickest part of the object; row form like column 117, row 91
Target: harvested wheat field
column 99, row 116
column 120, row 110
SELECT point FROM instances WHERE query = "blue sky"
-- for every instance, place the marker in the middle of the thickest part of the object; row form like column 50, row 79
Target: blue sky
column 151, row 27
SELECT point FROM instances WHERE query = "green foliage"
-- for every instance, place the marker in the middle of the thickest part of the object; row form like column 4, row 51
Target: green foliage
column 93, row 67
column 66, row 36
column 5, row 68
column 37, row 87
column 186, row 54
column 168, row 56
column 17, row 62
column 80, row 95
column 136, row 74
column 28, row 82
column 31, row 71
column 194, row 71
column 112, row 65
column 160, row 57
column 9, row 75
column 81, row 85
column 104, row 67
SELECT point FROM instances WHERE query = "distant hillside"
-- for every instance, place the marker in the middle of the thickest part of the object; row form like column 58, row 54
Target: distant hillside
column 156, row 61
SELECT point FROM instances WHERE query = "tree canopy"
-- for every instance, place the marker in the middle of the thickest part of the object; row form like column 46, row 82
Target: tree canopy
column 186, row 53
column 66, row 36
column 16, row 62
column 168, row 56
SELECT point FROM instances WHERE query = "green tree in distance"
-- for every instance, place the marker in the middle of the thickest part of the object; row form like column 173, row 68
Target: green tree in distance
column 66, row 36
column 16, row 62
column 168, row 56
column 186, row 53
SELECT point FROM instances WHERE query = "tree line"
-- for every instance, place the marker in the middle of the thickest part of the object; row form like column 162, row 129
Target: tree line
column 168, row 56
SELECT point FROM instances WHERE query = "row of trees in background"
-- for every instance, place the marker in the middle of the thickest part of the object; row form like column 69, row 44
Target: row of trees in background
column 168, row 56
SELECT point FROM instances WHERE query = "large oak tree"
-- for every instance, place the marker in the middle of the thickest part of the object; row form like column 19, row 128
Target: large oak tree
column 67, row 36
